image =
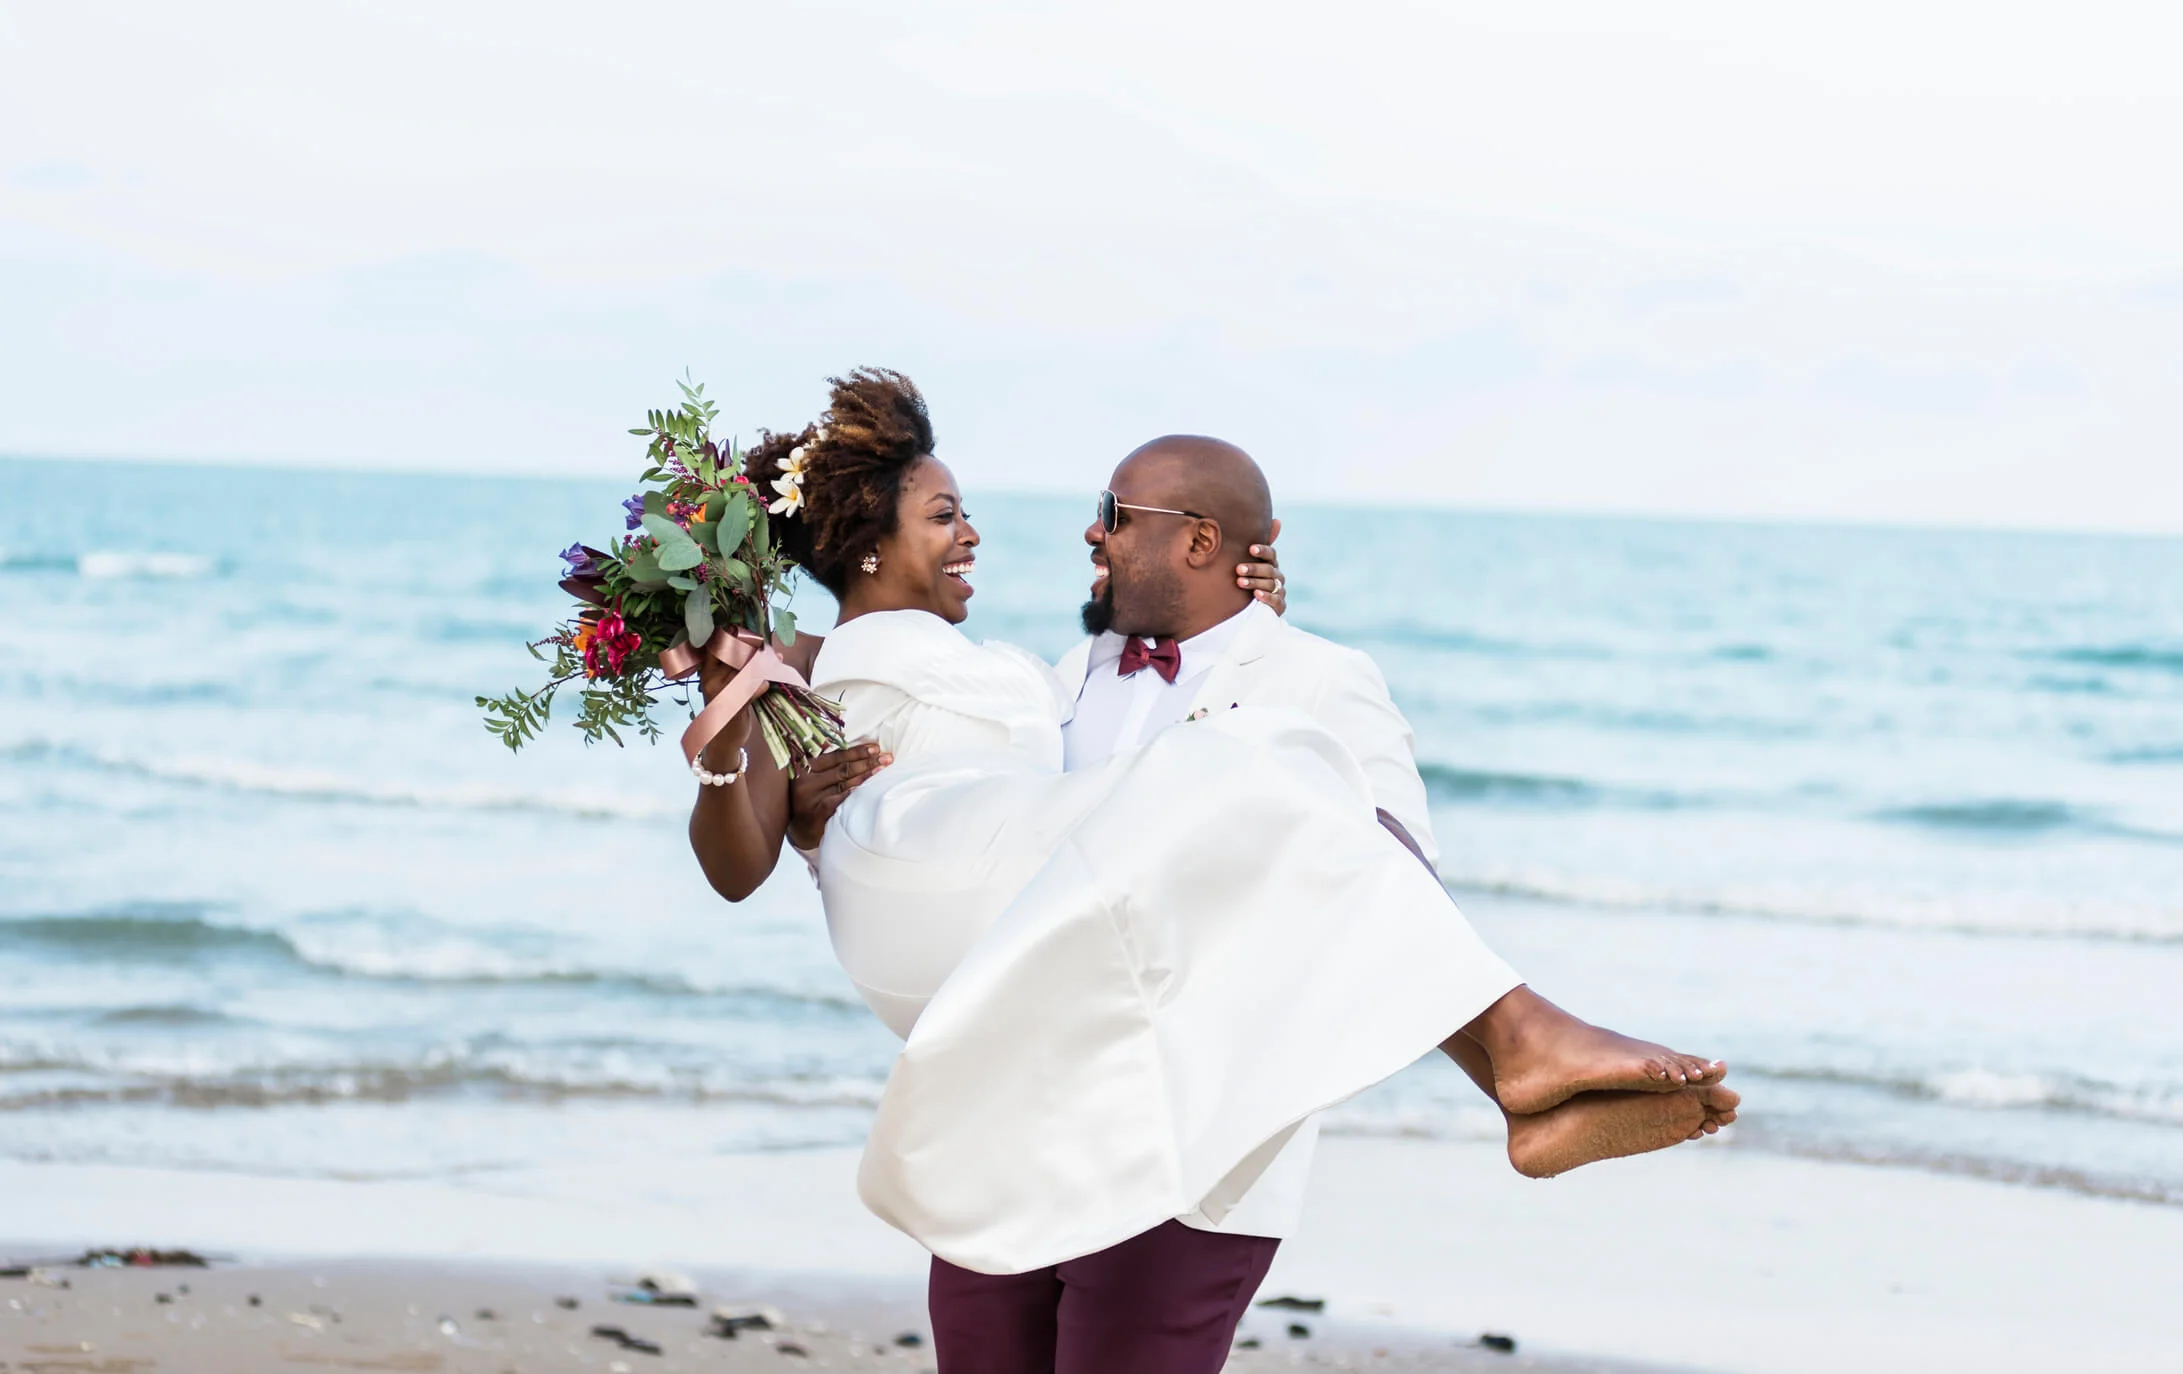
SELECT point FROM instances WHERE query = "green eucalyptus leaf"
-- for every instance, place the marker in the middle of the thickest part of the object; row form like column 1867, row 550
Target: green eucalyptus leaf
column 654, row 504
column 784, row 625
column 706, row 536
column 697, row 614
column 734, row 523
column 680, row 557
column 644, row 569
column 681, row 583
column 715, row 502
column 677, row 550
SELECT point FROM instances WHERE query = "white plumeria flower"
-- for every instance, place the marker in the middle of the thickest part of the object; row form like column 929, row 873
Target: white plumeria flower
column 790, row 486
column 794, row 465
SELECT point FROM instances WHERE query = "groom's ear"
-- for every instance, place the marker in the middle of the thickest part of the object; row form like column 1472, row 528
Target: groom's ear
column 1273, row 530
column 1206, row 542
column 1208, row 545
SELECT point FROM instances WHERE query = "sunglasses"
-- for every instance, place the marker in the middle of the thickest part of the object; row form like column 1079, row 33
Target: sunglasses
column 1110, row 511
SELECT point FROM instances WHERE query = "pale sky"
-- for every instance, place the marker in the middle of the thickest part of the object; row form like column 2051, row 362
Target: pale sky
column 1890, row 262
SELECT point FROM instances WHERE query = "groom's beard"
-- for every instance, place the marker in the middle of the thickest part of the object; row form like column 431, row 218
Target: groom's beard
column 1099, row 611
column 1151, row 604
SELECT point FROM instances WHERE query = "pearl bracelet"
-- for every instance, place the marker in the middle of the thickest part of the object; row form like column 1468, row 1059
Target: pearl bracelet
column 697, row 769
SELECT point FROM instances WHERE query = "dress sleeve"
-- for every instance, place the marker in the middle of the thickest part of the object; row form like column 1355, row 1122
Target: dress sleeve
column 1047, row 676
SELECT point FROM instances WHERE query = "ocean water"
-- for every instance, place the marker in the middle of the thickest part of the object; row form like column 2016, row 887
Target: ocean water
column 1892, row 820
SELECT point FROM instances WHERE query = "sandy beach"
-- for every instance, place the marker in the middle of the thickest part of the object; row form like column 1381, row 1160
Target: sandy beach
column 450, row 1317
column 1413, row 1249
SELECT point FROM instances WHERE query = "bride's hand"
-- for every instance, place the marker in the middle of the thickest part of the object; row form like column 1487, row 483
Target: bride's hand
column 1263, row 579
column 817, row 792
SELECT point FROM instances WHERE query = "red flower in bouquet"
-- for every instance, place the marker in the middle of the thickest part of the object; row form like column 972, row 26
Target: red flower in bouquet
column 698, row 574
column 606, row 645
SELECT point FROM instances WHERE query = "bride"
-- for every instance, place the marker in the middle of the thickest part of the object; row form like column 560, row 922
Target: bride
column 1118, row 1001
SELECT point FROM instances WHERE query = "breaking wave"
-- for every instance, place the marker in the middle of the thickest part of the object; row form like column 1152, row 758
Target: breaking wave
column 114, row 564
column 2007, row 817
column 1995, row 1170
column 449, row 957
column 237, row 775
column 1451, row 785
column 1955, row 917
column 1997, row 1090
column 90, row 1081
column 2158, row 658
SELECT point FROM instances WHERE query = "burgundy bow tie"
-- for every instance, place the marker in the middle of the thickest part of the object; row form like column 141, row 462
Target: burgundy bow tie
column 1164, row 657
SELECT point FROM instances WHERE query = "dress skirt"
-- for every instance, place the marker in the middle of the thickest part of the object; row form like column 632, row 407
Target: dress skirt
column 1125, row 987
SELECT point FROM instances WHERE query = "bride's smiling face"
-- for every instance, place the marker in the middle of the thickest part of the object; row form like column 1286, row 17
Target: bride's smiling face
column 926, row 564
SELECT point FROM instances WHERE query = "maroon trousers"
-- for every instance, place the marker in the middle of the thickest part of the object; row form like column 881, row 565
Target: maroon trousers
column 1165, row 1302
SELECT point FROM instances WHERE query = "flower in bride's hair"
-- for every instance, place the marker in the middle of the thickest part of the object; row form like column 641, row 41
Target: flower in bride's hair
column 790, row 499
column 788, row 487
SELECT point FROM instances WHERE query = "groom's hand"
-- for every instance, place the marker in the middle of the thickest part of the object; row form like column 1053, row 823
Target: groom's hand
column 816, row 792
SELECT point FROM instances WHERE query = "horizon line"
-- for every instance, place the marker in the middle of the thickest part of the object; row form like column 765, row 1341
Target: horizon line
column 365, row 468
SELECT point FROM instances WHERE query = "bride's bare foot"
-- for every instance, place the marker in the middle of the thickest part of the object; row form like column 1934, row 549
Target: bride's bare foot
column 1610, row 1125
column 1542, row 1056
column 1720, row 1108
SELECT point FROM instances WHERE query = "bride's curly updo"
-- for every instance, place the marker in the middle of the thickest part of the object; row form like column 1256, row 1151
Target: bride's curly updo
column 873, row 432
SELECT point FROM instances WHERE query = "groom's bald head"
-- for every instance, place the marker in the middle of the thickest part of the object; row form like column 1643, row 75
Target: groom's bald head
column 1210, row 476
column 1173, row 574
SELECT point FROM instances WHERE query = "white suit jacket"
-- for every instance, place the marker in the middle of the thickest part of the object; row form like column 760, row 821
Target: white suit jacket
column 1270, row 662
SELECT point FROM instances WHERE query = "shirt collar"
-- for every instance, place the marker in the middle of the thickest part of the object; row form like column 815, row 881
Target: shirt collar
column 1198, row 652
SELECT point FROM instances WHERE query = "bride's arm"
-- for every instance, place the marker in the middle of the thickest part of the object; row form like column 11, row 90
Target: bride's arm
column 736, row 830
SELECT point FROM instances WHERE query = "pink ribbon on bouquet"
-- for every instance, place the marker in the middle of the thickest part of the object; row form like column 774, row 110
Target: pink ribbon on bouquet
column 757, row 667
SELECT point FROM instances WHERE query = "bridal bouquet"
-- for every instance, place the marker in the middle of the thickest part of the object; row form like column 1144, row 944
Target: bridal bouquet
column 696, row 577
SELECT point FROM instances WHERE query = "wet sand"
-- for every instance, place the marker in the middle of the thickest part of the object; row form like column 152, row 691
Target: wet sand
column 1702, row 1257
column 437, row 1317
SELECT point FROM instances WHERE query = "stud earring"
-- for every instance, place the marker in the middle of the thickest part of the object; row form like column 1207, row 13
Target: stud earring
column 870, row 563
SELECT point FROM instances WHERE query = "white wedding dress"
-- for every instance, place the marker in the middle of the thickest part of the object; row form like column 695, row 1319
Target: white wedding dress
column 1123, row 987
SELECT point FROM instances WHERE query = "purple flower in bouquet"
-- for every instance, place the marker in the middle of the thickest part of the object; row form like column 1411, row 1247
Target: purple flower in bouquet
column 579, row 561
column 635, row 506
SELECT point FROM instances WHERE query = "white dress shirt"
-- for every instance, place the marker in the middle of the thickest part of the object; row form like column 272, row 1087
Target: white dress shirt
column 1114, row 713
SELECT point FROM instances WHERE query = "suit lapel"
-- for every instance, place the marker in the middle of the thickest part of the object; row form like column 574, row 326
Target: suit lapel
column 1225, row 682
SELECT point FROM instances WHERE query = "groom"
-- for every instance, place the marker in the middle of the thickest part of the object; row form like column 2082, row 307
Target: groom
column 1175, row 634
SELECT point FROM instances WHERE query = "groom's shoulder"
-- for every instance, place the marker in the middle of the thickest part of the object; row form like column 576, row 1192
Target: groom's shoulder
column 1323, row 657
